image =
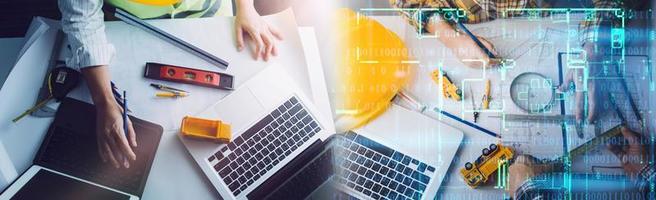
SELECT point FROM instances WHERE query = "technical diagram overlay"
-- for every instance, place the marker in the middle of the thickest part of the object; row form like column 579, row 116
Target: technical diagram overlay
column 545, row 76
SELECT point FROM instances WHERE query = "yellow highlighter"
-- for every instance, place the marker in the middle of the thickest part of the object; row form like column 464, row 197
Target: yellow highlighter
column 486, row 96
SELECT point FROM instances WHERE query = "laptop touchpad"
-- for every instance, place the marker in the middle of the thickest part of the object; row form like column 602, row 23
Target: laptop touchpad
column 238, row 109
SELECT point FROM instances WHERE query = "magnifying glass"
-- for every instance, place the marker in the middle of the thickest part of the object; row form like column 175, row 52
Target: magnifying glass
column 532, row 92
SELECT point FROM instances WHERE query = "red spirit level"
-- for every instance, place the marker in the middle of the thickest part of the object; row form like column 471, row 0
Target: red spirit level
column 187, row 75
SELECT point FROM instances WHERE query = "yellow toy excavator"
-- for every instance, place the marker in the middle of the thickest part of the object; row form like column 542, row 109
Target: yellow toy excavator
column 479, row 172
column 449, row 89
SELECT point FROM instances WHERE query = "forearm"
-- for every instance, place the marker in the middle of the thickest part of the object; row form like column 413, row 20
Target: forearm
column 442, row 30
column 98, row 81
column 419, row 13
column 243, row 4
column 592, row 30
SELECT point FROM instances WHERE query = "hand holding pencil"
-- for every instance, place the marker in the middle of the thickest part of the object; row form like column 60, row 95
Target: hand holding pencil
column 472, row 49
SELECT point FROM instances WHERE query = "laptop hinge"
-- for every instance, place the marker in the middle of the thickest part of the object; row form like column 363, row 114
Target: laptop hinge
column 277, row 179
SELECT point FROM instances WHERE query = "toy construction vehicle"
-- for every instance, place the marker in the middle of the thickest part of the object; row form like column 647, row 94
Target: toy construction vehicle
column 449, row 90
column 478, row 172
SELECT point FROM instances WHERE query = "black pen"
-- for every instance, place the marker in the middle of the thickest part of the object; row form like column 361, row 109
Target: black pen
column 117, row 95
column 164, row 87
column 125, row 114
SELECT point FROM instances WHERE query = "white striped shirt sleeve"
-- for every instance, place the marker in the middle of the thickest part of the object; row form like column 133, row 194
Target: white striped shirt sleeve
column 82, row 21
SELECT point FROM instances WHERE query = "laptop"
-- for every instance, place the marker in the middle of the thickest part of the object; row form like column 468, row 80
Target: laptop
column 278, row 132
column 353, row 166
column 67, row 165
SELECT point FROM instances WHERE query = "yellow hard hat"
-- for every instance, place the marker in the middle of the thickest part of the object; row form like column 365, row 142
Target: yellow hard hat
column 372, row 68
column 157, row 2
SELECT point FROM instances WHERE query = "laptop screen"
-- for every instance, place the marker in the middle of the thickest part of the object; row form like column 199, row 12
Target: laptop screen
column 55, row 187
column 300, row 177
column 70, row 147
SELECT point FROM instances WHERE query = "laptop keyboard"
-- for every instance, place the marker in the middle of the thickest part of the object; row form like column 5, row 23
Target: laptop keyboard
column 253, row 153
column 380, row 172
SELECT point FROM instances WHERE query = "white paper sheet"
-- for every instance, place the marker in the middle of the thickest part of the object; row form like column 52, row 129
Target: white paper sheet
column 19, row 93
column 37, row 27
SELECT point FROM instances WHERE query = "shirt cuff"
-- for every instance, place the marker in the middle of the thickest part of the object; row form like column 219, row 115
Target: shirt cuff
column 523, row 191
column 647, row 174
column 93, row 50
column 424, row 18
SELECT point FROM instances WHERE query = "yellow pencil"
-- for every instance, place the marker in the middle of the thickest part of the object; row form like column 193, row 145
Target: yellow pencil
column 487, row 97
column 171, row 94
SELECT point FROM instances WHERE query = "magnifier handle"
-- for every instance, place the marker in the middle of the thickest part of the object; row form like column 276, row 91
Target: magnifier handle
column 34, row 108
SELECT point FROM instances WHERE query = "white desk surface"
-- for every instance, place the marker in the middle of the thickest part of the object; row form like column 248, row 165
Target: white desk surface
column 174, row 174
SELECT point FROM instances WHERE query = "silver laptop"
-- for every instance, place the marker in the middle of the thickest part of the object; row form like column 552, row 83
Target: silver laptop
column 278, row 134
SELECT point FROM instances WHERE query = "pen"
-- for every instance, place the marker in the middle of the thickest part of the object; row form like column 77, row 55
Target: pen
column 117, row 95
column 125, row 118
column 478, row 42
column 472, row 125
column 421, row 108
column 617, row 109
column 125, row 114
column 164, row 87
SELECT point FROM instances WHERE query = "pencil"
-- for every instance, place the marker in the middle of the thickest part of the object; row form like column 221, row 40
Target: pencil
column 472, row 125
column 125, row 114
column 486, row 96
column 172, row 94
column 478, row 42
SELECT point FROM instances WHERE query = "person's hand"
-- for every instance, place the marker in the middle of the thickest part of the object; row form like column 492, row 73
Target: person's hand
column 465, row 48
column 588, row 95
column 525, row 167
column 248, row 22
column 112, row 144
column 632, row 154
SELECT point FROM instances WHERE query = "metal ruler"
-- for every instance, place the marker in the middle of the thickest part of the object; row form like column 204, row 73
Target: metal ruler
column 133, row 20
column 594, row 142
column 541, row 118
column 555, row 119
